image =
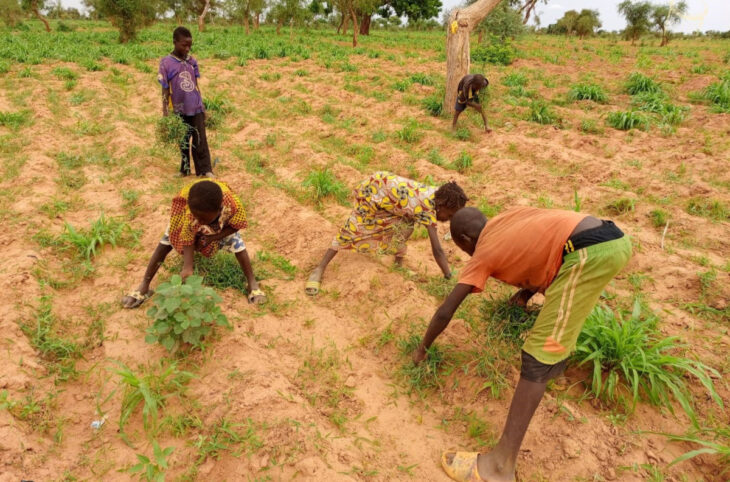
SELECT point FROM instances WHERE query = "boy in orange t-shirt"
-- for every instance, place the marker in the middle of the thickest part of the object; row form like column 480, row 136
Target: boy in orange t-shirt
column 570, row 257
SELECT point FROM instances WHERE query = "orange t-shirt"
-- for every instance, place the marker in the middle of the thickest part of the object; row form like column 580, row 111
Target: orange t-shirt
column 522, row 246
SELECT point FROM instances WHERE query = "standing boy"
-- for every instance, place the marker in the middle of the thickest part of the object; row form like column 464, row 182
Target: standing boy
column 206, row 216
column 468, row 96
column 570, row 257
column 178, row 76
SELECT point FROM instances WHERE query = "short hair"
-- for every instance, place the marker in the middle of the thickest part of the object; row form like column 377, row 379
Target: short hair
column 181, row 32
column 205, row 196
column 467, row 221
column 450, row 195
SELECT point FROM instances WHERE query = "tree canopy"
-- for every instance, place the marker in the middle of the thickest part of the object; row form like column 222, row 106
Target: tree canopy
column 637, row 18
column 665, row 15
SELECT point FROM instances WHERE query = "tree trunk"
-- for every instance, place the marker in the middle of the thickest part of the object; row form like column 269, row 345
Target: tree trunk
column 201, row 19
column 345, row 21
column 339, row 27
column 461, row 23
column 479, row 38
column 354, row 27
column 245, row 22
column 256, row 20
column 278, row 27
column 665, row 41
column 37, row 12
column 291, row 29
column 365, row 24
column 528, row 7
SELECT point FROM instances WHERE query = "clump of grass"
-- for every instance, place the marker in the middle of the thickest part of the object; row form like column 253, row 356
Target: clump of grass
column 656, row 102
column 151, row 387
column 462, row 134
column 410, row 132
column 171, row 130
column 217, row 106
column 423, row 79
column 638, row 83
column 541, row 113
column 659, row 218
column 515, row 79
column 64, row 73
column 631, row 361
column 14, row 120
column 621, row 206
column 593, row 92
column 224, row 436
column 402, row 85
column 323, row 184
column 102, row 231
column 463, row 161
column 433, row 104
column 426, row 376
column 714, row 441
column 627, row 120
column 220, row 271
column 590, row 126
column 505, row 321
column 708, row 208
column 435, row 157
column 718, row 94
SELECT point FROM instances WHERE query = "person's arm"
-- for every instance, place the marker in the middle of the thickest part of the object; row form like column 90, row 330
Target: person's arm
column 187, row 269
column 438, row 251
column 441, row 319
column 165, row 101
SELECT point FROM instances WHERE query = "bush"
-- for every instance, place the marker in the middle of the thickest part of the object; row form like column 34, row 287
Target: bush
column 627, row 120
column 184, row 313
column 496, row 52
column 638, row 83
column 171, row 130
column 592, row 92
column 541, row 113
column 631, row 361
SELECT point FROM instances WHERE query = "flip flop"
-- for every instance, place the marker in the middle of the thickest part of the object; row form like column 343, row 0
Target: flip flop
column 138, row 297
column 312, row 288
column 463, row 467
column 254, row 293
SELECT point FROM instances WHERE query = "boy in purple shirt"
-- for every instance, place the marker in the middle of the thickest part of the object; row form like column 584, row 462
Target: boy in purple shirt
column 178, row 76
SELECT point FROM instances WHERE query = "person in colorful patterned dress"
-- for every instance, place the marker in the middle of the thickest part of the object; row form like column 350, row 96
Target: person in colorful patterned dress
column 206, row 217
column 387, row 208
column 178, row 75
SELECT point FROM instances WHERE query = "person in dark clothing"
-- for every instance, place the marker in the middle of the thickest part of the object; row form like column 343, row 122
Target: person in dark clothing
column 468, row 96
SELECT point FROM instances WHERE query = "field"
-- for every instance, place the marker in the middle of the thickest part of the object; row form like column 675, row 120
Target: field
column 322, row 389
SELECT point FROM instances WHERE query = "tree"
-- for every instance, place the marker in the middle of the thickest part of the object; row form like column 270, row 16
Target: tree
column 289, row 11
column 637, row 18
column 127, row 15
column 35, row 7
column 461, row 23
column 416, row 9
column 502, row 22
column 567, row 23
column 240, row 10
column 587, row 23
column 527, row 8
column 665, row 15
column 10, row 12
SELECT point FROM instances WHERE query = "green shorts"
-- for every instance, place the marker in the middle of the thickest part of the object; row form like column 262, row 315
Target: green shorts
column 571, row 298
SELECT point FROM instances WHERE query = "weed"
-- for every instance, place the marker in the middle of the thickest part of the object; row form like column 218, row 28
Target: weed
column 590, row 126
column 515, row 79
column 541, row 113
column 172, row 130
column 621, row 206
column 708, row 208
column 427, row 375
column 423, row 79
column 638, row 83
column 150, row 387
column 184, row 313
column 659, row 218
column 489, row 210
column 410, row 132
column 217, row 106
column 64, row 73
column 593, row 92
column 718, row 445
column 323, row 184
column 505, row 321
column 14, row 120
column 718, row 94
column 576, row 201
column 638, row 363
column 433, row 105
column 224, row 436
column 462, row 134
column 435, row 157
column 402, row 85
column 103, row 231
column 379, row 136
column 152, row 470
column 463, row 161
column 627, row 120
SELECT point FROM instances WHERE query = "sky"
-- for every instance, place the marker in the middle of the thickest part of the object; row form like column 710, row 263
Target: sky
column 701, row 14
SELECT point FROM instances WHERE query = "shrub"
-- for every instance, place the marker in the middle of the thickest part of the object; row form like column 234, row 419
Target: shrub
column 630, row 359
column 324, row 184
column 515, row 79
column 592, row 92
column 496, row 52
column 638, row 83
column 171, row 130
column 184, row 313
column 627, row 120
column 541, row 113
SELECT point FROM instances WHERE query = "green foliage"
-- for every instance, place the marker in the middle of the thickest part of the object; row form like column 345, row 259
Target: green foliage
column 216, row 108
column 541, row 113
column 103, row 231
column 656, row 102
column 14, row 120
column 505, row 321
column 184, row 313
column 150, row 387
column 590, row 126
column 494, row 52
column 515, row 79
column 463, row 161
column 638, row 83
column 718, row 94
column 220, row 271
column 462, row 134
column 152, row 470
column 631, row 361
column 323, row 184
column 410, row 132
column 708, row 208
column 621, row 206
column 503, row 22
column 224, row 436
column 637, row 18
column 576, row 201
column 433, row 104
column 172, row 130
column 627, row 120
column 423, row 79
column 659, row 218
column 127, row 15
column 427, row 375
column 718, row 444
column 592, row 92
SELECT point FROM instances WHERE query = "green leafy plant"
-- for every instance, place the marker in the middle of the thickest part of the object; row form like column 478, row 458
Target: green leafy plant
column 638, row 83
column 184, row 313
column 541, row 113
column 152, row 470
column 708, row 208
column 463, row 161
column 593, row 92
column 627, row 120
column 217, row 106
column 151, row 387
column 576, row 201
column 631, row 361
column 102, row 231
column 621, row 206
column 433, row 105
column 171, row 130
column 462, row 133
column 718, row 94
column 423, row 79
column 496, row 52
column 659, row 217
column 14, row 120
column 515, row 79
column 410, row 132
column 427, row 375
column 323, row 184
column 714, row 441
column 506, row 321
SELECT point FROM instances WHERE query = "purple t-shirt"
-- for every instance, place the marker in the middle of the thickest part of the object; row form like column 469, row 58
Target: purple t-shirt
column 181, row 77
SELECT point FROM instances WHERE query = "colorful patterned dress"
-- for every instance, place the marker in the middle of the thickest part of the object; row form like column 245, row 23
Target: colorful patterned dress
column 386, row 207
column 184, row 227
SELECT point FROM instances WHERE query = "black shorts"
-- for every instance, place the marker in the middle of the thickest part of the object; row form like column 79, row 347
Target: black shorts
column 538, row 372
column 459, row 107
